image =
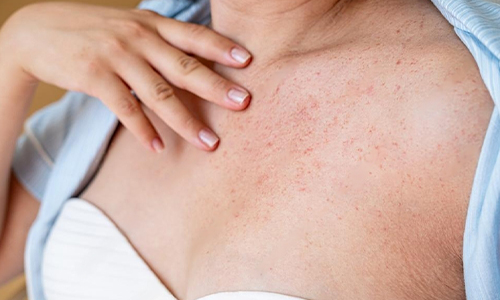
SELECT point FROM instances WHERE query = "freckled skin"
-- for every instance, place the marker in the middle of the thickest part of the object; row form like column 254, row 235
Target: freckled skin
column 351, row 168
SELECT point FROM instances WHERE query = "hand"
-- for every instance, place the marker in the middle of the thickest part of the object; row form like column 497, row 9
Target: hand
column 107, row 52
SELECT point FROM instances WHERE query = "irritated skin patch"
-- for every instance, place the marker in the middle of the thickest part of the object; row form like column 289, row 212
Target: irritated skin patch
column 344, row 143
column 348, row 175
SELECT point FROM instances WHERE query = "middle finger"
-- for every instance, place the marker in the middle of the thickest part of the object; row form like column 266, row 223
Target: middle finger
column 188, row 73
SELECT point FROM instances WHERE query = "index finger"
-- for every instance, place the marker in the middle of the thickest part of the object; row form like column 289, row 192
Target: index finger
column 204, row 42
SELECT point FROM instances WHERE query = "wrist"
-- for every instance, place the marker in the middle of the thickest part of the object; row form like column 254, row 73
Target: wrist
column 10, row 64
column 10, row 71
column 12, row 39
column 16, row 84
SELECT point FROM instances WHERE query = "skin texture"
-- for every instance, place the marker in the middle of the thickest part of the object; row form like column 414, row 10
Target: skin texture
column 348, row 177
column 135, row 50
column 18, row 91
column 59, row 43
column 21, row 212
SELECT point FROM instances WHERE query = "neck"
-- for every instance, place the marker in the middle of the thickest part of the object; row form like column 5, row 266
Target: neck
column 274, row 28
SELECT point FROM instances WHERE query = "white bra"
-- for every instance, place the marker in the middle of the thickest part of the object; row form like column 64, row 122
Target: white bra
column 87, row 257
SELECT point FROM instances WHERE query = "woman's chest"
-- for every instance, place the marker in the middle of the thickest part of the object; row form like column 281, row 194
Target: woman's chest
column 320, row 189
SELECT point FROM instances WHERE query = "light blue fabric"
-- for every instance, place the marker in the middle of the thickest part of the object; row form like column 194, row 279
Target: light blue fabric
column 477, row 23
column 64, row 143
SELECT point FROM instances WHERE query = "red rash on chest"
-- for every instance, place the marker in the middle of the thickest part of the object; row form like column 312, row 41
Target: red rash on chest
column 337, row 155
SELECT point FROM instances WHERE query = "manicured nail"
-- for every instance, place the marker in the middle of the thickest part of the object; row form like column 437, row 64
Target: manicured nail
column 237, row 96
column 157, row 145
column 240, row 55
column 208, row 138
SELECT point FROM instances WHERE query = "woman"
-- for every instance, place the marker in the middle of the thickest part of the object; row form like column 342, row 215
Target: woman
column 348, row 176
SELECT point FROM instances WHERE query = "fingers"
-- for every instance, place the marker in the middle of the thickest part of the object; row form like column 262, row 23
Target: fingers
column 158, row 95
column 117, row 96
column 203, row 42
column 157, row 59
column 188, row 73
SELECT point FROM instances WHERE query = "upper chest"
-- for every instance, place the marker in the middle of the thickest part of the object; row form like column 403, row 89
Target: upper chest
column 353, row 162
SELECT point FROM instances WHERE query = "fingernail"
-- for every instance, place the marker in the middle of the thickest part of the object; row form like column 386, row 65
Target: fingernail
column 237, row 96
column 240, row 55
column 157, row 145
column 208, row 138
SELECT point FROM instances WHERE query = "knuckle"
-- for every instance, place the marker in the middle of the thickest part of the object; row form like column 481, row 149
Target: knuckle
column 134, row 28
column 93, row 67
column 128, row 107
column 115, row 46
column 163, row 92
column 188, row 64
column 146, row 12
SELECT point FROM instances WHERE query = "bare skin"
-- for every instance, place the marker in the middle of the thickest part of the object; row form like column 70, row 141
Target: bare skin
column 348, row 177
column 104, row 52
